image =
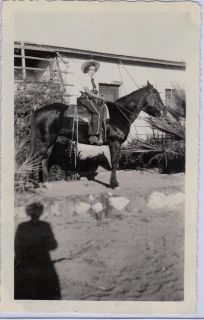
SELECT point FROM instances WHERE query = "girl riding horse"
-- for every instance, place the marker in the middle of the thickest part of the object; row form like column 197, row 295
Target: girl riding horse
column 92, row 101
column 47, row 125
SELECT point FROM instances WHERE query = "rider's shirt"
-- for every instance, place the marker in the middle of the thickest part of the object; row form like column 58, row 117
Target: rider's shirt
column 81, row 82
column 90, row 82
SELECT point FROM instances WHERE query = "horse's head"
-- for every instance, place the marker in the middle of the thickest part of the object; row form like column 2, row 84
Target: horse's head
column 153, row 102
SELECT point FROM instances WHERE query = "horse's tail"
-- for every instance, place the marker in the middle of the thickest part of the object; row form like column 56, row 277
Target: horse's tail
column 60, row 108
column 62, row 111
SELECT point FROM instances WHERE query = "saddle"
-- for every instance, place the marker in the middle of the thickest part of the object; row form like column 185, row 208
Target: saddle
column 83, row 116
column 78, row 112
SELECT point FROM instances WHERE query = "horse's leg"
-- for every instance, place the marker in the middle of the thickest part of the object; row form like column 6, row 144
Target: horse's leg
column 45, row 161
column 40, row 154
column 114, row 151
column 45, row 127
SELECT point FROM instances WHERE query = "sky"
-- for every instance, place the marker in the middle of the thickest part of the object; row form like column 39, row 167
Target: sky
column 131, row 32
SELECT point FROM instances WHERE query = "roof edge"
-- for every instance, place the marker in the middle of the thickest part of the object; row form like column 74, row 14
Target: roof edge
column 107, row 56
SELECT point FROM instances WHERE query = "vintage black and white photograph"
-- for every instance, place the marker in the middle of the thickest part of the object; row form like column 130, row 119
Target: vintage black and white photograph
column 101, row 134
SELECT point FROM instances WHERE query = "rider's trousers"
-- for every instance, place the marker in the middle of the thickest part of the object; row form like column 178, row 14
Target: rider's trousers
column 97, row 115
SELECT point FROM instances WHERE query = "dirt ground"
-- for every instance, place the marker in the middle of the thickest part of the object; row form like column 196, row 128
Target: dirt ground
column 133, row 254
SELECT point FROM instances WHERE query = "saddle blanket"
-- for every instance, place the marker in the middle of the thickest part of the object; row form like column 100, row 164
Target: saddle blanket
column 90, row 151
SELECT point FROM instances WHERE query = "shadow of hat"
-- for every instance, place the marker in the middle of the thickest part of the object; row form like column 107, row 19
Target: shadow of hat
column 34, row 210
column 90, row 62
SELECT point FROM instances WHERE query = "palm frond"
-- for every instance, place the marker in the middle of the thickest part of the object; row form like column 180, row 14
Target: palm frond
column 19, row 145
column 175, row 128
column 28, row 165
column 23, row 170
column 177, row 104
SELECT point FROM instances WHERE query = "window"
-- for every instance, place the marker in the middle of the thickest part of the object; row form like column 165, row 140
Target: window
column 110, row 92
column 32, row 65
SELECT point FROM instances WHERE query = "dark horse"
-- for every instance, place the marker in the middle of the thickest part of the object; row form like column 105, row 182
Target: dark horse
column 51, row 121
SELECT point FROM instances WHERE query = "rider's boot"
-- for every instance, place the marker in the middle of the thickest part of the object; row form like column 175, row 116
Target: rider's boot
column 100, row 140
column 95, row 140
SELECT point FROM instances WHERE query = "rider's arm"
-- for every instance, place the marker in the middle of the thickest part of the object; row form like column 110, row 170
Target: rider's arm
column 90, row 93
column 85, row 81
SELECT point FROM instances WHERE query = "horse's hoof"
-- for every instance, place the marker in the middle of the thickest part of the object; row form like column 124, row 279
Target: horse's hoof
column 92, row 176
column 36, row 185
column 114, row 185
column 42, row 185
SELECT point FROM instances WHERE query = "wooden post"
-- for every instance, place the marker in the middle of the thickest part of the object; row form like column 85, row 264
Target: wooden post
column 51, row 70
column 23, row 60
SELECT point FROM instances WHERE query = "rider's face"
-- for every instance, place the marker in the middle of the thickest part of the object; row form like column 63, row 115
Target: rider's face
column 92, row 71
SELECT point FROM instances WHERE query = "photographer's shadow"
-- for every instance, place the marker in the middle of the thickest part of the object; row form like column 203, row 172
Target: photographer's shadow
column 35, row 275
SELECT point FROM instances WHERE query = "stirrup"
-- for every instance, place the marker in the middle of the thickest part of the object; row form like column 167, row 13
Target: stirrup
column 94, row 140
column 100, row 142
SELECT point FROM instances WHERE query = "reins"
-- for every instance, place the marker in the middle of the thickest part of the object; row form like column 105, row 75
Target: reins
column 119, row 106
column 130, row 76
column 75, row 120
column 122, row 107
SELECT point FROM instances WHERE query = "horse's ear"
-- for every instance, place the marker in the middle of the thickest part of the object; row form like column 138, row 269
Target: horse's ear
column 149, row 84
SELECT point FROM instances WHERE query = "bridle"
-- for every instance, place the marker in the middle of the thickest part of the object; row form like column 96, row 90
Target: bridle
column 119, row 106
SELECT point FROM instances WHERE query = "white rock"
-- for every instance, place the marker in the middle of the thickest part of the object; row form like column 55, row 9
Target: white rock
column 48, row 185
column 175, row 199
column 55, row 209
column 83, row 179
column 179, row 174
column 118, row 203
column 91, row 198
column 82, row 207
column 157, row 200
column 97, row 207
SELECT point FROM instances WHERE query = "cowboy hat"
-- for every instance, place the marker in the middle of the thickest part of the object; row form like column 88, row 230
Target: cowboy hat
column 90, row 62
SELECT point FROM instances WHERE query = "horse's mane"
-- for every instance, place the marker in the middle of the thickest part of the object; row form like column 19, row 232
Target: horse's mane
column 139, row 93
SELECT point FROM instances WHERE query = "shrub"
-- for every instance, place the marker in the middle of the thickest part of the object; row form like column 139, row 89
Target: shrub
column 23, row 168
column 29, row 97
